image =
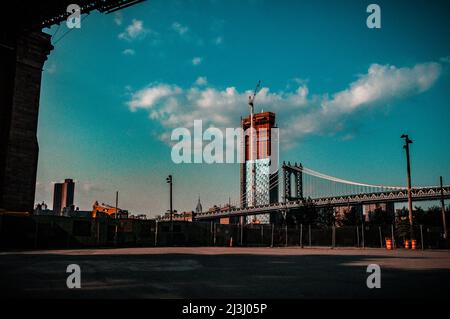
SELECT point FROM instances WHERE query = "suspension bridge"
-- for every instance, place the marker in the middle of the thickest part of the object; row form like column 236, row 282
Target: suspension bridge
column 303, row 186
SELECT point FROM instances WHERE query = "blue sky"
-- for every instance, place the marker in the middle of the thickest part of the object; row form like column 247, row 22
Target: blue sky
column 113, row 91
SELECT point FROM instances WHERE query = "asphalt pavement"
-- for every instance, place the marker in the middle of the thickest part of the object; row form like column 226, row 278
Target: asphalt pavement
column 224, row 272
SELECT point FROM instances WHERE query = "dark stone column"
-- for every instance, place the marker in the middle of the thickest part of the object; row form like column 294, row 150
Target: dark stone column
column 20, row 86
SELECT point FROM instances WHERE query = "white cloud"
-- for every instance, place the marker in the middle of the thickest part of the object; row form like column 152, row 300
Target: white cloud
column 186, row 34
column 201, row 80
column 51, row 69
column 149, row 97
column 118, row 18
column 173, row 106
column 179, row 28
column 384, row 82
column 445, row 59
column 134, row 31
column 89, row 187
column 128, row 52
column 197, row 60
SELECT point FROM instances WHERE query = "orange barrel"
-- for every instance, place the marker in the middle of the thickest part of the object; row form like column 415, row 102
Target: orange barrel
column 413, row 244
column 389, row 244
column 406, row 244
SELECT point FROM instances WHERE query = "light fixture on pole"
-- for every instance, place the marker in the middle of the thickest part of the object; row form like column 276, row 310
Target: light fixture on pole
column 408, row 171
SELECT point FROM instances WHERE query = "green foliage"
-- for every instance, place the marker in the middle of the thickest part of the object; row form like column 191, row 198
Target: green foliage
column 430, row 217
column 306, row 215
column 352, row 218
column 326, row 217
column 403, row 228
column 380, row 217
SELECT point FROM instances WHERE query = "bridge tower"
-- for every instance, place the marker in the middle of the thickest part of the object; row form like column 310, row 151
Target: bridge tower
column 288, row 171
column 299, row 182
column 286, row 182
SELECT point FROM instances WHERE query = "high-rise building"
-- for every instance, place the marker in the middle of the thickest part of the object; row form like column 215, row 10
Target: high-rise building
column 63, row 195
column 57, row 190
column 259, row 184
column 388, row 209
column 198, row 208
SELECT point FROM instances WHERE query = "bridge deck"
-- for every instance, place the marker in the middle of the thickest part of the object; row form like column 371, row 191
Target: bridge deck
column 418, row 194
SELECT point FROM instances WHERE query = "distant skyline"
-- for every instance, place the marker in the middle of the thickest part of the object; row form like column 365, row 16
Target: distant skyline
column 343, row 94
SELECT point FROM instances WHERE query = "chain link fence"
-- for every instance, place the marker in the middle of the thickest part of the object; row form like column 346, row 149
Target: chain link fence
column 266, row 235
column 373, row 236
column 61, row 232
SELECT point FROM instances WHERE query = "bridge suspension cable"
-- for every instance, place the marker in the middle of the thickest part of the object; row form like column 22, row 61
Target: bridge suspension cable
column 343, row 181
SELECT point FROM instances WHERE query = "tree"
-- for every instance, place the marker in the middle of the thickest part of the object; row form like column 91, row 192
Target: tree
column 326, row 217
column 352, row 217
column 380, row 217
column 430, row 217
column 306, row 214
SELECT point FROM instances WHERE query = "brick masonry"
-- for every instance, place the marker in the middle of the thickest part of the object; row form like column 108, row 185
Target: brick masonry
column 20, row 106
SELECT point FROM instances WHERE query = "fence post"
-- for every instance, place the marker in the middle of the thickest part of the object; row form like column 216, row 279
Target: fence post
column 393, row 237
column 362, row 236
column 242, row 231
column 333, row 236
column 357, row 236
column 309, row 235
column 381, row 237
column 156, row 234
column 67, row 239
column 286, row 237
column 421, row 236
column 262, row 235
column 98, row 231
column 211, row 232
column 271, row 241
column 36, row 233
column 301, row 235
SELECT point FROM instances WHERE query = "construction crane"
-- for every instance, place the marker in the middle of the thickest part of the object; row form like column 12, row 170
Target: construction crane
column 251, row 98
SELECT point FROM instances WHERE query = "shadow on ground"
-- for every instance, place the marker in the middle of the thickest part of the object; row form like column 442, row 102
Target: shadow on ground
column 217, row 276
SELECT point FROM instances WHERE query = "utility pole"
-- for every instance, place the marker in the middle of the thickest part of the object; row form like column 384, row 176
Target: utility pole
column 408, row 169
column 117, row 213
column 444, row 223
column 169, row 181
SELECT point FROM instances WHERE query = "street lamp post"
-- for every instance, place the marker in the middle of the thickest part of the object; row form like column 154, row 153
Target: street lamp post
column 116, row 233
column 408, row 169
column 444, row 224
column 169, row 181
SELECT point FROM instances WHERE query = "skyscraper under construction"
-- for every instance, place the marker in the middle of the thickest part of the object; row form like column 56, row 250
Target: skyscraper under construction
column 259, row 171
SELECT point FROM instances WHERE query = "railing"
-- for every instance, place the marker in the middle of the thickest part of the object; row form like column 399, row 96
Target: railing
column 418, row 194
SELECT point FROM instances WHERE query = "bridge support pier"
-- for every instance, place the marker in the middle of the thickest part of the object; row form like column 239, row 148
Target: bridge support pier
column 20, row 79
